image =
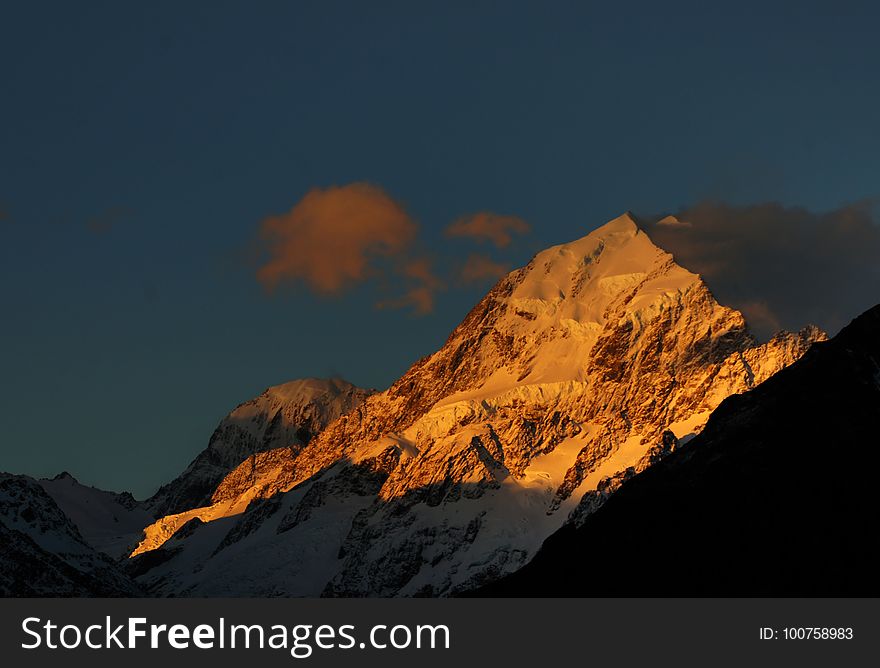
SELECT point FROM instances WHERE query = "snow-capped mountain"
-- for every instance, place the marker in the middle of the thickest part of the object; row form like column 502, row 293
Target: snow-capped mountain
column 595, row 360
column 64, row 538
column 284, row 416
column 776, row 497
column 110, row 522
column 42, row 553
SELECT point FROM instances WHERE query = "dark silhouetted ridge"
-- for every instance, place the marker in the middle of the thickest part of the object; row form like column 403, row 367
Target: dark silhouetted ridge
column 777, row 497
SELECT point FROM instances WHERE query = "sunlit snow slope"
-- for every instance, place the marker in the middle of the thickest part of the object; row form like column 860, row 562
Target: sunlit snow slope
column 588, row 364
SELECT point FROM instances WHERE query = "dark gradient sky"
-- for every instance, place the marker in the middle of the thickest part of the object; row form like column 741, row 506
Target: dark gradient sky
column 143, row 145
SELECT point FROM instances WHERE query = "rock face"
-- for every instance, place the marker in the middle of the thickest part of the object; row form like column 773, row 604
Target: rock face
column 110, row 522
column 597, row 359
column 776, row 497
column 42, row 552
column 284, row 416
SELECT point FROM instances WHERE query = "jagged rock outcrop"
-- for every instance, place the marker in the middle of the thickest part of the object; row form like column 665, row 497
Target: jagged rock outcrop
column 42, row 552
column 776, row 497
column 284, row 416
column 598, row 357
column 110, row 522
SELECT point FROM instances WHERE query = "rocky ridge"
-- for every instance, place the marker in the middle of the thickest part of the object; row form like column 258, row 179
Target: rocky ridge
column 597, row 358
column 775, row 497
column 284, row 416
column 42, row 553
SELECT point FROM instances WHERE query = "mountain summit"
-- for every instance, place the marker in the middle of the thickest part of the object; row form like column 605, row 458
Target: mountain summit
column 283, row 416
column 574, row 372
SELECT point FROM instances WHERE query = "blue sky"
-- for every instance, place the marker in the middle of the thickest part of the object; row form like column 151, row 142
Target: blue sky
column 143, row 144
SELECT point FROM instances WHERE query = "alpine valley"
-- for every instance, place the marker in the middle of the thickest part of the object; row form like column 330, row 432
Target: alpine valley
column 572, row 376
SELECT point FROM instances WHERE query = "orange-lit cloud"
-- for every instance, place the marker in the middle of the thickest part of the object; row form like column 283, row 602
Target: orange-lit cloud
column 486, row 226
column 423, row 285
column 334, row 237
column 337, row 237
column 479, row 268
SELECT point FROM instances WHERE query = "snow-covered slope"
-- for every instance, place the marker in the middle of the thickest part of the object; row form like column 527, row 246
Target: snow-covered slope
column 594, row 359
column 42, row 552
column 284, row 416
column 111, row 523
column 777, row 496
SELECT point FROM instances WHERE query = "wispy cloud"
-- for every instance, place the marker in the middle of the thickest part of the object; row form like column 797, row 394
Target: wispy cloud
column 480, row 269
column 782, row 266
column 338, row 237
column 487, row 226
column 423, row 284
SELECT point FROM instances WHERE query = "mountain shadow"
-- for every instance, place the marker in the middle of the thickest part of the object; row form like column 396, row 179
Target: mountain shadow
column 776, row 497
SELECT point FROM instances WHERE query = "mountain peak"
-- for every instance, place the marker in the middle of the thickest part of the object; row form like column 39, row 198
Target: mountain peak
column 624, row 223
column 589, row 273
column 621, row 236
column 672, row 221
column 572, row 372
column 285, row 415
column 619, row 229
column 310, row 389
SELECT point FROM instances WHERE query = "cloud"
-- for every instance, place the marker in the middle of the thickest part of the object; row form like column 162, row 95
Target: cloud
column 761, row 317
column 487, row 226
column 782, row 266
column 480, row 269
column 334, row 238
column 423, row 285
column 337, row 237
